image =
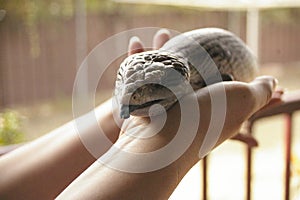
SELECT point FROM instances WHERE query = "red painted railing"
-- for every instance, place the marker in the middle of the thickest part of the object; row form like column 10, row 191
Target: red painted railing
column 289, row 104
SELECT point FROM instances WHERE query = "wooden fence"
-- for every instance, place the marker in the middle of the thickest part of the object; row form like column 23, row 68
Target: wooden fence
column 39, row 63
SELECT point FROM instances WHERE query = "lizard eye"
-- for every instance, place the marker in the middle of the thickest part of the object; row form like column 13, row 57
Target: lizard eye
column 134, row 96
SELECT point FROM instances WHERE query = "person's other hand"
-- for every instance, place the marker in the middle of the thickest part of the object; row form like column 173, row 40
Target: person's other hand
column 159, row 39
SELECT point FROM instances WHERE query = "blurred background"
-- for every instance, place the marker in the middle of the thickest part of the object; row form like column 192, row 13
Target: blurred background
column 42, row 44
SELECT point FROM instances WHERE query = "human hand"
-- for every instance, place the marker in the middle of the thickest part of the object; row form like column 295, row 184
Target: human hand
column 254, row 91
column 105, row 112
column 159, row 39
column 132, row 174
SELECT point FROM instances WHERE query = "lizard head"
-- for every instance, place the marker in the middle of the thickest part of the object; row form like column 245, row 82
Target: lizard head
column 148, row 78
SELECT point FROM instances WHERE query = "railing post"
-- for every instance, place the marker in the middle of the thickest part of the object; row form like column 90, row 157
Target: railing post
column 204, row 180
column 249, row 165
column 249, row 172
column 288, row 146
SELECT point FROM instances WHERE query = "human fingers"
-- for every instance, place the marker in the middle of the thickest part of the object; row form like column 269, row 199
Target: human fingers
column 276, row 97
column 160, row 38
column 135, row 45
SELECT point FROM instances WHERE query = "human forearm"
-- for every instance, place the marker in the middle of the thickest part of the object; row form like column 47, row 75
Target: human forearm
column 44, row 167
column 110, row 181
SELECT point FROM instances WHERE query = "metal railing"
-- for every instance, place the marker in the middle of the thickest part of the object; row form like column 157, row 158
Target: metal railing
column 289, row 104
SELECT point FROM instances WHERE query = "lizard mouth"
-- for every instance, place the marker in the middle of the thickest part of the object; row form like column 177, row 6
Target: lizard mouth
column 126, row 110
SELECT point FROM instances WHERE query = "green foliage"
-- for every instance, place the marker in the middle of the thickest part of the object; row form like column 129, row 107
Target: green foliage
column 31, row 12
column 35, row 11
column 10, row 128
column 281, row 15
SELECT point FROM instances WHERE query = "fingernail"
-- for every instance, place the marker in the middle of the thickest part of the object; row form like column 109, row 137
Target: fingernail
column 276, row 81
column 134, row 39
column 164, row 31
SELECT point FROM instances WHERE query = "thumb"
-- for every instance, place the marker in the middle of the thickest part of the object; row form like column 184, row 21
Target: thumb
column 263, row 88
